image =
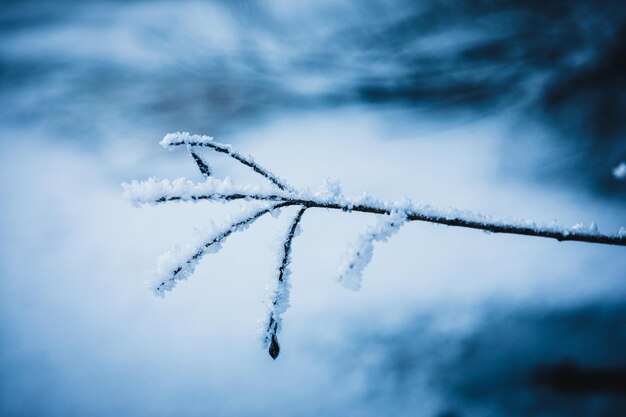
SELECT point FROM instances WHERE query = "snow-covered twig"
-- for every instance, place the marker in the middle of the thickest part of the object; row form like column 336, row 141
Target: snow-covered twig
column 180, row 263
column 154, row 192
column 183, row 138
column 204, row 168
column 351, row 272
column 280, row 297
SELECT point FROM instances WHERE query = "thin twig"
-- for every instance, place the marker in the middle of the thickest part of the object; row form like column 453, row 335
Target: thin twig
column 217, row 239
column 245, row 160
column 204, row 168
column 282, row 291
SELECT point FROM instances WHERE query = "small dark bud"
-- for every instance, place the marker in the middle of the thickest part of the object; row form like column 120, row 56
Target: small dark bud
column 274, row 349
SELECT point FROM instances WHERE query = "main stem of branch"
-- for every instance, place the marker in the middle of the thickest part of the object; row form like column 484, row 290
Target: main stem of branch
column 457, row 221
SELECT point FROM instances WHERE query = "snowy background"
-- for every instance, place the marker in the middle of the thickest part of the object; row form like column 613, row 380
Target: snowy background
column 507, row 107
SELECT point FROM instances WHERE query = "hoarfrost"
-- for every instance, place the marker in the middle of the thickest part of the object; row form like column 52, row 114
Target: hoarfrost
column 204, row 168
column 360, row 253
column 172, row 140
column 330, row 189
column 180, row 262
column 153, row 191
column 280, row 294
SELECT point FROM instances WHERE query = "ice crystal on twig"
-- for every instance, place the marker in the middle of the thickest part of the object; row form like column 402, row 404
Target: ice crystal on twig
column 179, row 263
column 360, row 253
column 172, row 140
column 280, row 296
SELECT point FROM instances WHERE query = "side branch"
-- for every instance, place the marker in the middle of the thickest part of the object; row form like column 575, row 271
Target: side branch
column 204, row 168
column 280, row 298
column 183, row 265
column 178, row 139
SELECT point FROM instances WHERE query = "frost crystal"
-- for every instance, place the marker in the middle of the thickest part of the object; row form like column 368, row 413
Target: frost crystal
column 172, row 140
column 155, row 191
column 329, row 190
column 280, row 296
column 360, row 254
column 179, row 263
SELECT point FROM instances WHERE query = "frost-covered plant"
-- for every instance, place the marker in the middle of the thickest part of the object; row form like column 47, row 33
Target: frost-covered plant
column 180, row 263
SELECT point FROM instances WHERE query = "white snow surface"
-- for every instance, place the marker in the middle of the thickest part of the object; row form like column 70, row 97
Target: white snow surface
column 361, row 252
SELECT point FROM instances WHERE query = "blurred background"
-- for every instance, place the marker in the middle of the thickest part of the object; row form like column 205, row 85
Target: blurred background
column 512, row 108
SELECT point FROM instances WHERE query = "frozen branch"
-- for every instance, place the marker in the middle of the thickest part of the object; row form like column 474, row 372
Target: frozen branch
column 204, row 168
column 153, row 192
column 280, row 297
column 180, row 263
column 360, row 254
column 183, row 138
